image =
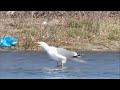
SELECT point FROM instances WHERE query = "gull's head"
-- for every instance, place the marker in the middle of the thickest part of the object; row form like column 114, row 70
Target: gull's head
column 42, row 44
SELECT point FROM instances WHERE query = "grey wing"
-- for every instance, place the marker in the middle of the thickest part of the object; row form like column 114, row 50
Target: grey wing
column 66, row 53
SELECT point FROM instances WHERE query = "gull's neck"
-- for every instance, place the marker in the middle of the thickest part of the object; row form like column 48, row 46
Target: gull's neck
column 45, row 46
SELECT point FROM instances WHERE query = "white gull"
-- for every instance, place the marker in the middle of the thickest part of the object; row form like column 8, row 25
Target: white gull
column 59, row 54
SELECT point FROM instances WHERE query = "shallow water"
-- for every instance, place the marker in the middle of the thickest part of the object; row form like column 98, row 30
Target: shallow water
column 37, row 65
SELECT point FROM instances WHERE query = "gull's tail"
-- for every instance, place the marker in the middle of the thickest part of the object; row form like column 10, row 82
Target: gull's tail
column 77, row 59
column 77, row 55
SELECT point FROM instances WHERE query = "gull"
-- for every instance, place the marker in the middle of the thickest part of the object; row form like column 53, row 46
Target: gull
column 59, row 54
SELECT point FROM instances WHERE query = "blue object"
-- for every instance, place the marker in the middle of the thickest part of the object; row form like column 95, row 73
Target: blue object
column 7, row 41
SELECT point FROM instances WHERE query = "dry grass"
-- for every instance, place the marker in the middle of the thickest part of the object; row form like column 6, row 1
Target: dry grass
column 75, row 30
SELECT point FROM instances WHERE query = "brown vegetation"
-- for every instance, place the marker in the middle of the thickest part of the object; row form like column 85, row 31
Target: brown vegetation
column 85, row 30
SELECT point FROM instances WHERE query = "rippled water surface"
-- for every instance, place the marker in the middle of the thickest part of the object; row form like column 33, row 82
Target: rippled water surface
column 37, row 65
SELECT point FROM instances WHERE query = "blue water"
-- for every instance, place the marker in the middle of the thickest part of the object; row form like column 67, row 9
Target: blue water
column 37, row 65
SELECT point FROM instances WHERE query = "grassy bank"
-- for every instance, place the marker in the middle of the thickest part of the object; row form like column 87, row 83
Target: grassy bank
column 93, row 30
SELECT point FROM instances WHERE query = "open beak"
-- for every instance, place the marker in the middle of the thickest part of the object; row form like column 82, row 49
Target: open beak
column 38, row 43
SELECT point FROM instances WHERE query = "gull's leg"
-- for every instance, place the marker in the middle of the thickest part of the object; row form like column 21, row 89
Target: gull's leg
column 59, row 64
column 62, row 64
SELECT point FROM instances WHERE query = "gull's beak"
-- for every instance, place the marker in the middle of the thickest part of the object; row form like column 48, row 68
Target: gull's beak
column 38, row 43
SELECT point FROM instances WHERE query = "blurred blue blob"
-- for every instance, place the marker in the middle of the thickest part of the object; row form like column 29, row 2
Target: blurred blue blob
column 7, row 41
